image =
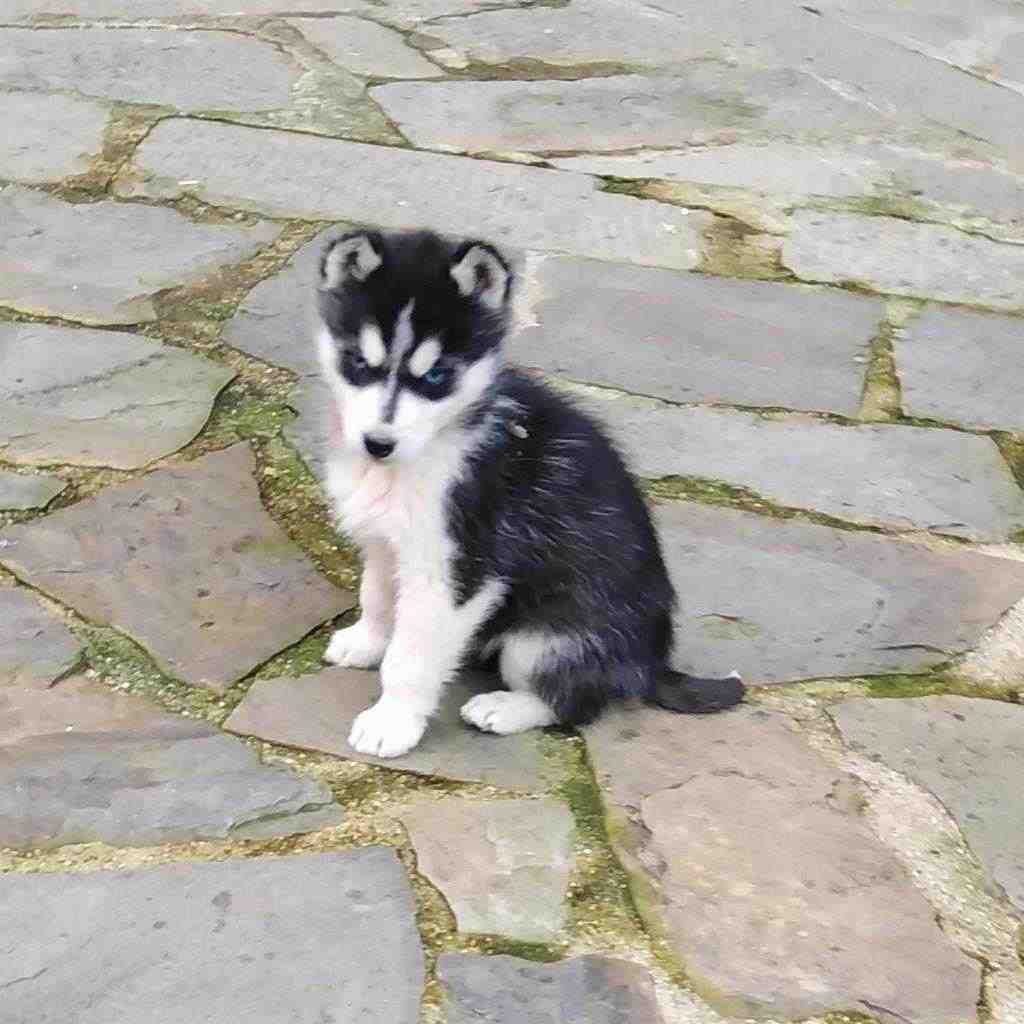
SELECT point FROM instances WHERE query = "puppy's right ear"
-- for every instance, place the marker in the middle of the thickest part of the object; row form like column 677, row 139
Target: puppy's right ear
column 352, row 257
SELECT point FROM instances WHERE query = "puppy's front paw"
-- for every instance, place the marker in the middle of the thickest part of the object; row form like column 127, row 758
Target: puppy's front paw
column 356, row 647
column 386, row 730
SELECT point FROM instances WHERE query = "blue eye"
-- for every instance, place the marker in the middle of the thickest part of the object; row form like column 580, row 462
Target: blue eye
column 435, row 376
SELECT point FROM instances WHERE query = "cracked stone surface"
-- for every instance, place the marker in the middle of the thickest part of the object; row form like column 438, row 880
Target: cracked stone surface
column 164, row 8
column 226, row 71
column 696, row 106
column 99, row 398
column 80, row 763
column 285, row 174
column 104, row 263
column 884, row 254
column 509, row 872
column 965, row 188
column 47, row 138
column 22, row 491
column 786, row 599
column 753, row 854
column 186, row 562
column 690, row 338
column 276, row 323
column 582, row 990
column 962, row 367
column 315, row 712
column 35, row 646
column 366, row 48
column 266, row 938
column 968, row 753
column 882, row 475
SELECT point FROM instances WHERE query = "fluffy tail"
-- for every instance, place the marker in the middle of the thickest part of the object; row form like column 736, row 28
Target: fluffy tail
column 691, row 695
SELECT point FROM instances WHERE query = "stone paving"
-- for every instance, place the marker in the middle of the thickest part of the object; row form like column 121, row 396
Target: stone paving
column 777, row 247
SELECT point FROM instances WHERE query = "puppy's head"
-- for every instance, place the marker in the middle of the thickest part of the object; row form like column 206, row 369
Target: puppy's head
column 410, row 335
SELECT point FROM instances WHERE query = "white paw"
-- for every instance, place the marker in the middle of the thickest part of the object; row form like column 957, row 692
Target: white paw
column 386, row 730
column 502, row 712
column 356, row 647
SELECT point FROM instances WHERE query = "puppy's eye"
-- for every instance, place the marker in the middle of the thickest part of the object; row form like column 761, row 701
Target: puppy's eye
column 355, row 360
column 436, row 376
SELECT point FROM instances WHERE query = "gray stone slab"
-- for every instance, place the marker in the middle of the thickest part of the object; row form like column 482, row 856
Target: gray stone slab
column 319, row 937
column 366, row 48
column 967, row 187
column 80, row 763
column 963, row 367
column 502, row 865
column 781, row 600
column 583, row 990
column 47, row 138
column 136, row 9
column 99, row 398
column 187, row 562
column 35, row 646
column 315, row 712
column 689, row 338
column 695, row 105
column 881, row 475
column 752, row 858
column 20, row 492
column 968, row 753
column 977, row 35
column 103, row 263
column 884, row 254
column 293, row 175
column 226, row 70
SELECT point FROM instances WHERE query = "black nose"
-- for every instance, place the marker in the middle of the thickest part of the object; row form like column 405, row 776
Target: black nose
column 377, row 448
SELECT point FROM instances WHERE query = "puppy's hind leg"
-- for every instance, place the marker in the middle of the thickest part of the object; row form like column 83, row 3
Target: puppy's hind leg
column 519, row 708
column 363, row 645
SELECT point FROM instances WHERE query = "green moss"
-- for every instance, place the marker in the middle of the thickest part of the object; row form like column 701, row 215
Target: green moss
column 128, row 668
column 941, row 681
column 498, row 945
column 882, row 396
column 1012, row 448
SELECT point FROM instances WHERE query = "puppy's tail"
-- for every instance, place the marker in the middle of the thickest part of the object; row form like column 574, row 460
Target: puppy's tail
column 691, row 695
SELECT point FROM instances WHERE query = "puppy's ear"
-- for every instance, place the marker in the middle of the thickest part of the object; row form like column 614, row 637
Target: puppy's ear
column 353, row 257
column 480, row 271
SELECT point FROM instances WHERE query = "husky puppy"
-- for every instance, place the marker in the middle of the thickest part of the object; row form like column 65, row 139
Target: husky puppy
column 495, row 519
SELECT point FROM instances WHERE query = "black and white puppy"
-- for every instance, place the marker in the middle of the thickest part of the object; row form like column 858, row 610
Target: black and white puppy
column 495, row 518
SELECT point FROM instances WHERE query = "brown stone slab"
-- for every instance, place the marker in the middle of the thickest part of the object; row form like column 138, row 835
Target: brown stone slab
column 187, row 562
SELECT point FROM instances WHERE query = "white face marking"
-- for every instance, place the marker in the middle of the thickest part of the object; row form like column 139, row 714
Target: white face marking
column 424, row 357
column 371, row 344
column 404, row 337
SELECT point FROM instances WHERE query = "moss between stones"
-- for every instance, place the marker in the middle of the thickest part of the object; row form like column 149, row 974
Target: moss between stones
column 941, row 681
column 1012, row 448
column 882, row 397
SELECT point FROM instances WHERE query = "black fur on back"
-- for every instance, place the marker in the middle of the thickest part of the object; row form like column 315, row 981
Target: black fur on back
column 549, row 507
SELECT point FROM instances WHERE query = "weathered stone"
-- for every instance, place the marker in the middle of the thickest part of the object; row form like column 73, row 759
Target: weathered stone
column 136, row 9
column 755, row 863
column 22, row 491
column 35, row 646
column 969, row 753
column 884, row 254
column 904, row 477
column 967, row 190
column 47, row 138
column 963, row 367
column 226, row 70
column 81, row 764
column 99, row 398
column 275, row 323
column 291, row 175
column 508, row 870
column 187, row 562
column 697, row 105
column 103, row 263
column 583, row 990
column 315, row 712
column 782, row 600
column 366, row 48
column 978, row 36
column 320, row 937
column 689, row 338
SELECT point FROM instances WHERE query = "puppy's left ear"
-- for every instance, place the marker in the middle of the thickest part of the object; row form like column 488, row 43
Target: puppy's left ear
column 480, row 271
column 352, row 257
